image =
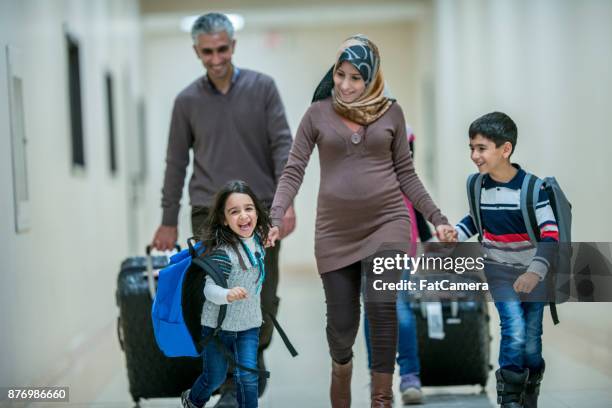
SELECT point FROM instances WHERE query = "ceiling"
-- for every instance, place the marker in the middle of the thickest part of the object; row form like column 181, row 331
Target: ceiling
column 160, row 17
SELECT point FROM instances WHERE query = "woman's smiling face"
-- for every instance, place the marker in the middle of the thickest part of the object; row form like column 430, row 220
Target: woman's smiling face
column 348, row 83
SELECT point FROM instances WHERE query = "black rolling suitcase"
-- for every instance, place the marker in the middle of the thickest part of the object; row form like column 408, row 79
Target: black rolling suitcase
column 150, row 373
column 454, row 340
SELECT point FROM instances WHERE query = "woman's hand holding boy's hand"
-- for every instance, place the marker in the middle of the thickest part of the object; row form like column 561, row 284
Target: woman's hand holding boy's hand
column 273, row 235
column 237, row 293
column 526, row 282
column 446, row 233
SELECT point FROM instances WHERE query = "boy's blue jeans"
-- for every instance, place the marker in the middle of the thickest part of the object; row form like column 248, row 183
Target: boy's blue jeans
column 520, row 320
column 243, row 345
column 407, row 346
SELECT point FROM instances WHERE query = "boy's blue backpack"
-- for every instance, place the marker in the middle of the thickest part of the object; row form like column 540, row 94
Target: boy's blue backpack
column 559, row 280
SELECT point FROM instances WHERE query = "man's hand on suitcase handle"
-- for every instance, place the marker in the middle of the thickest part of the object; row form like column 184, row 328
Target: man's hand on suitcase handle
column 237, row 293
column 165, row 237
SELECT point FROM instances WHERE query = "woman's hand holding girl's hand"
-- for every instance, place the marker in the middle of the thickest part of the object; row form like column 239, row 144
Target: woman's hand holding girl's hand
column 237, row 293
column 273, row 235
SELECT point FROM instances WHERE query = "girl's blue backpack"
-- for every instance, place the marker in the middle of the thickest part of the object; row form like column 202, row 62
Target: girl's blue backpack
column 173, row 333
column 180, row 291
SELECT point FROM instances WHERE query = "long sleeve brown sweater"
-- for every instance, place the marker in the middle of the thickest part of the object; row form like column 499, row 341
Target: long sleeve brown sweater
column 240, row 135
column 360, row 205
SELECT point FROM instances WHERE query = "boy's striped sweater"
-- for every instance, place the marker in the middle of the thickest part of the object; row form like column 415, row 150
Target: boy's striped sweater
column 505, row 238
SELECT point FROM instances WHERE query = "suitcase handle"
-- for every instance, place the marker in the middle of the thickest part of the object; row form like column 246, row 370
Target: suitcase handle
column 120, row 333
column 149, row 249
column 150, row 277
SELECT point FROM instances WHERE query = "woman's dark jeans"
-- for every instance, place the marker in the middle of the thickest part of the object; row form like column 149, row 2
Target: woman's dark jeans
column 342, row 296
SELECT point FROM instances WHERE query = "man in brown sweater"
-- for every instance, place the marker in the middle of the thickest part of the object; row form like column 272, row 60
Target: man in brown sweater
column 235, row 122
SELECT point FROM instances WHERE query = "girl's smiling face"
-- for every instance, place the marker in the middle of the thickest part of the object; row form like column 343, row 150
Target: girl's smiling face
column 348, row 83
column 240, row 214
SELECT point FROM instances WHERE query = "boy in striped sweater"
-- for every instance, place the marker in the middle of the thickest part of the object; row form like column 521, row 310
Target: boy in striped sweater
column 515, row 267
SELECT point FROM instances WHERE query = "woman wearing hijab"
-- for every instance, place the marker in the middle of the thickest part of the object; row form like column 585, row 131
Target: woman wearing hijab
column 365, row 166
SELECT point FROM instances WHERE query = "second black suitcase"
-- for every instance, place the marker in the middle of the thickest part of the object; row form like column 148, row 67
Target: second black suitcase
column 462, row 356
column 150, row 373
column 453, row 332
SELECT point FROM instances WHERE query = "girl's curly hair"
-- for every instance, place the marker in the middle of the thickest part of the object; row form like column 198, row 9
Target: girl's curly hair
column 214, row 233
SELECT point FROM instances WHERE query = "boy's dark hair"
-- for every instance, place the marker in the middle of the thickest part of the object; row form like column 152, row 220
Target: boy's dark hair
column 496, row 126
column 215, row 233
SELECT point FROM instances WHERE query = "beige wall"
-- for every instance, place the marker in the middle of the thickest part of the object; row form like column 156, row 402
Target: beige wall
column 58, row 278
column 546, row 64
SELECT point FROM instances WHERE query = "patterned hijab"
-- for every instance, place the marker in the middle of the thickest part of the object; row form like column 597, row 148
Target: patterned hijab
column 374, row 102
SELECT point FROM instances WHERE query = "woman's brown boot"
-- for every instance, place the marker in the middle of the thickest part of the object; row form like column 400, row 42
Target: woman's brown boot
column 382, row 393
column 340, row 390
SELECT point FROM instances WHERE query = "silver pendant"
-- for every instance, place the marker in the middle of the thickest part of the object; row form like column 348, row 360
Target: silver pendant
column 355, row 138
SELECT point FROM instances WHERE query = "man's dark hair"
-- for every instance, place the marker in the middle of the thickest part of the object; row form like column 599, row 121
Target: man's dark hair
column 497, row 127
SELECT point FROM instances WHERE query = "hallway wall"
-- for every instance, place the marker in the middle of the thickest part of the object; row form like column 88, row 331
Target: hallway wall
column 58, row 277
column 546, row 64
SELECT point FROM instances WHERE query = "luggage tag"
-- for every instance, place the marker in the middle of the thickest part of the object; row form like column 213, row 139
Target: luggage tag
column 454, row 313
column 435, row 322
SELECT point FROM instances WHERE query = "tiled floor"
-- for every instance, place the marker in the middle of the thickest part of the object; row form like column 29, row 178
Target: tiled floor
column 576, row 375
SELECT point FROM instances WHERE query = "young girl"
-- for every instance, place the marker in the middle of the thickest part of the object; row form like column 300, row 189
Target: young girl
column 236, row 227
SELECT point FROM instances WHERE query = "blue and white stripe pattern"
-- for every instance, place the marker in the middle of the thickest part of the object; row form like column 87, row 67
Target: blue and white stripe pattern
column 505, row 237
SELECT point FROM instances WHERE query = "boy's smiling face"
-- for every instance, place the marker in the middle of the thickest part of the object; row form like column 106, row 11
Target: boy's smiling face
column 488, row 157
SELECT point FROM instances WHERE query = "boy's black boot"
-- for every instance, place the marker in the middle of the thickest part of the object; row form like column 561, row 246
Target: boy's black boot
column 511, row 388
column 532, row 390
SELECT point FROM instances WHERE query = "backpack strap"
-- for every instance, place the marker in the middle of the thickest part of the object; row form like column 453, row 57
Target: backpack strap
column 232, row 360
column 281, row 333
column 553, row 312
column 229, row 356
column 528, row 203
column 530, row 193
column 212, row 270
column 474, row 188
column 195, row 247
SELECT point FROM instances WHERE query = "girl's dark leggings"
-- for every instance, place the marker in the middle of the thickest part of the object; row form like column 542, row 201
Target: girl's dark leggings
column 342, row 296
